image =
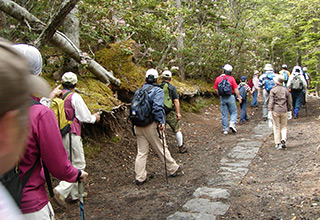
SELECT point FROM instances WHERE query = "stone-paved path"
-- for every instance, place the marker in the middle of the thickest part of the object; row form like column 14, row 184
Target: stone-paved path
column 207, row 202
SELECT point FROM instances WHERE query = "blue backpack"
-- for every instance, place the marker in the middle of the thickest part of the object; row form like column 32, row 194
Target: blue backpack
column 243, row 93
column 141, row 109
column 224, row 87
column 268, row 82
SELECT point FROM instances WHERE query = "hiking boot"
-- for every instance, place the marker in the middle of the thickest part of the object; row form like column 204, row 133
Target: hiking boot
column 278, row 147
column 60, row 200
column 265, row 118
column 149, row 177
column 178, row 171
column 283, row 144
column 182, row 149
column 225, row 132
column 233, row 128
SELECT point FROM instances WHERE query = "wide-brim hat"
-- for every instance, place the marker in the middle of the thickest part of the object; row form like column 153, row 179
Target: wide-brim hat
column 279, row 79
column 268, row 67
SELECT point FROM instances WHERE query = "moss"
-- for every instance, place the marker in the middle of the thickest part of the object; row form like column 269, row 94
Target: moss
column 116, row 139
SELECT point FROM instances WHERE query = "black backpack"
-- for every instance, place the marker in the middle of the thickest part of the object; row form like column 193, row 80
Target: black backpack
column 141, row 108
column 224, row 87
column 14, row 185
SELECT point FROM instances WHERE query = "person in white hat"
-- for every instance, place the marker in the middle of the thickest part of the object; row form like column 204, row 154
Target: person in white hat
column 172, row 108
column 76, row 111
column 227, row 100
column 265, row 84
column 280, row 107
column 255, row 89
column 286, row 73
column 148, row 135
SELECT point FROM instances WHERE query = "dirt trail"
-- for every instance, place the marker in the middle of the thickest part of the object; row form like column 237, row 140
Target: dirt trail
column 279, row 184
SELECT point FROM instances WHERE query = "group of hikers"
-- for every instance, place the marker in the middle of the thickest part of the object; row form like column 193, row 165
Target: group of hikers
column 33, row 142
column 282, row 93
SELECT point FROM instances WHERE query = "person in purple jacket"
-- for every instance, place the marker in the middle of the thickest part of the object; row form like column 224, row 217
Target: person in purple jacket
column 44, row 146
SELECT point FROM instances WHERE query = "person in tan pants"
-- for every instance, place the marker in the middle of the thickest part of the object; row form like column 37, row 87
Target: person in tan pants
column 148, row 135
column 279, row 109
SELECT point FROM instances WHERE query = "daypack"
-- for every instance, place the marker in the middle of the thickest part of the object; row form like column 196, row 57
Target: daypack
column 224, row 87
column 168, row 103
column 250, row 83
column 296, row 83
column 141, row 109
column 243, row 93
column 285, row 74
column 268, row 82
column 57, row 105
column 14, row 185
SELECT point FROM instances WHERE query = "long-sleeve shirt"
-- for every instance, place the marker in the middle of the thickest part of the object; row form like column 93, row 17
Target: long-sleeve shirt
column 44, row 144
column 280, row 100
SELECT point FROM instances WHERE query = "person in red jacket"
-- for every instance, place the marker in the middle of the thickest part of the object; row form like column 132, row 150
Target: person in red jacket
column 44, row 146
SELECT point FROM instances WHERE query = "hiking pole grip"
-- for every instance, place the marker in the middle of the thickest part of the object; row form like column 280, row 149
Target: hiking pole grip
column 81, row 195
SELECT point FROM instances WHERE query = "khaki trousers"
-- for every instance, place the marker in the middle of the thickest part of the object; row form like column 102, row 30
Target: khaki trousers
column 148, row 136
column 280, row 122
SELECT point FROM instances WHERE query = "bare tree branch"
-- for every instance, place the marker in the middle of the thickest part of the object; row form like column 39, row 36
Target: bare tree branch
column 58, row 39
column 56, row 22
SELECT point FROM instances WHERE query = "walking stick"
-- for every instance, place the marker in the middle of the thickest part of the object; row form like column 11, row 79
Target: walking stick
column 162, row 137
column 81, row 195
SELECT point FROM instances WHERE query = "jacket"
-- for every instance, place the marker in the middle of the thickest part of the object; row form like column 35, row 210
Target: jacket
column 156, row 96
column 44, row 144
column 280, row 100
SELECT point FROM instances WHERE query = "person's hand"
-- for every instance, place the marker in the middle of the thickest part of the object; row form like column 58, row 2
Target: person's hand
column 97, row 114
column 56, row 92
column 269, row 114
column 161, row 127
column 240, row 99
column 178, row 116
column 83, row 175
column 289, row 115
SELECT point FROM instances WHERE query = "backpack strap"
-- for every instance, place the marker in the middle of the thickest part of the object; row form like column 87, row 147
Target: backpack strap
column 66, row 95
column 28, row 174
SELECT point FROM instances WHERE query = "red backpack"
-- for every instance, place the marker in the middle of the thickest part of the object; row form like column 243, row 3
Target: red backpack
column 250, row 83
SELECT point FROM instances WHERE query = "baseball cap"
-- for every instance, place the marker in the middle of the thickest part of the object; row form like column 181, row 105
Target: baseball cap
column 16, row 82
column 243, row 78
column 227, row 68
column 70, row 78
column 152, row 72
column 167, row 73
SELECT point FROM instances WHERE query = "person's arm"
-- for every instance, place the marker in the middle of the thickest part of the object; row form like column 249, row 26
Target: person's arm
column 271, row 101
column 82, row 112
column 289, row 101
column 236, row 91
column 52, row 149
column 177, row 107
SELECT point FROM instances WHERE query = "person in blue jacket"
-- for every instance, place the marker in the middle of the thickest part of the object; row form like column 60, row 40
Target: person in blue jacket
column 149, row 136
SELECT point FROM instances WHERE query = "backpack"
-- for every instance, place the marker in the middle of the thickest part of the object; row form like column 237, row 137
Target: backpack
column 285, row 75
column 57, row 105
column 250, row 83
column 243, row 93
column 14, row 185
column 141, row 109
column 268, row 82
column 224, row 87
column 296, row 83
column 168, row 103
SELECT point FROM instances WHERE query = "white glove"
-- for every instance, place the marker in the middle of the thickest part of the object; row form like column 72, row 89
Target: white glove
column 289, row 115
column 269, row 115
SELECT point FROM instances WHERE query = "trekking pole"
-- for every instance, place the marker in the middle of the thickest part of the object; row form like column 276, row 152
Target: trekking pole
column 81, row 195
column 162, row 137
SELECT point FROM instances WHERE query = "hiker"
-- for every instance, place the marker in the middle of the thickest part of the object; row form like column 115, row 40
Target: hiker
column 308, row 80
column 286, row 73
column 266, row 83
column 149, row 134
column 255, row 89
column 44, row 149
column 297, row 84
column 226, row 85
column 244, row 88
column 17, row 83
column 77, row 111
column 279, row 109
column 172, row 108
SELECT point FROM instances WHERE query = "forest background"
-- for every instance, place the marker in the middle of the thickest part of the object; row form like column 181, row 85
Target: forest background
column 192, row 38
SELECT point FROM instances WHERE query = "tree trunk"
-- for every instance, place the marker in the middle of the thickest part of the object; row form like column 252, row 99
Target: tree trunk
column 58, row 39
column 180, row 42
column 71, row 30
